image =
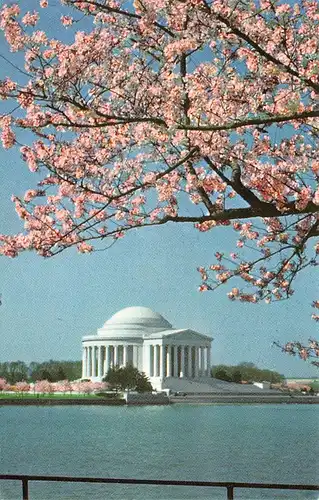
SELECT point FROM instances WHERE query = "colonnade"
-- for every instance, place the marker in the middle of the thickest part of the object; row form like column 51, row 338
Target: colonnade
column 179, row 361
column 97, row 360
column 191, row 361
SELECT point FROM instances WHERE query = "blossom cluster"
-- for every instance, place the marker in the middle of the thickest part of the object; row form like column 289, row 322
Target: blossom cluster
column 171, row 111
column 303, row 351
column 46, row 387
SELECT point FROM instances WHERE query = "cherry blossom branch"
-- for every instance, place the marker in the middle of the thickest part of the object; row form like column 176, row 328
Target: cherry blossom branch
column 130, row 128
column 303, row 351
column 113, row 121
column 253, row 121
column 260, row 50
column 125, row 13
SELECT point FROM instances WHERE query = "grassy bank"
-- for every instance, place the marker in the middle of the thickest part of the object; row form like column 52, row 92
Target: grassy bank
column 61, row 402
column 46, row 396
column 59, row 399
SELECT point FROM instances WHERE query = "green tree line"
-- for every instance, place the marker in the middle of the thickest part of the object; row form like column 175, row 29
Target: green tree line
column 16, row 371
column 245, row 372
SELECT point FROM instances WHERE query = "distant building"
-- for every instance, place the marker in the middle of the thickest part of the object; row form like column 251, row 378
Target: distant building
column 145, row 339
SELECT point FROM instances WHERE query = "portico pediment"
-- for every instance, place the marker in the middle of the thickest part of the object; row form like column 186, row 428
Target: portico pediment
column 181, row 335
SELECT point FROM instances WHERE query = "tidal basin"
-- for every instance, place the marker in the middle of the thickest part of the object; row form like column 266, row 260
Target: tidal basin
column 249, row 443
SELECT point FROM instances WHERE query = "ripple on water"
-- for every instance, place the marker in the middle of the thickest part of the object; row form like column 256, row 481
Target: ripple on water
column 260, row 443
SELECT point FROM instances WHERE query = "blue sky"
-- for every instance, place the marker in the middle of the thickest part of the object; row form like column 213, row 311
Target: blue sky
column 49, row 304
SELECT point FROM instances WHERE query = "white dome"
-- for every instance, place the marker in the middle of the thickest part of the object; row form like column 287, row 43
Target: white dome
column 141, row 317
column 134, row 322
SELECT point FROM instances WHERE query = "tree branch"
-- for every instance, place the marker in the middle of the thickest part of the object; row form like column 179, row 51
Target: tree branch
column 253, row 121
column 260, row 50
column 267, row 210
column 236, row 184
column 114, row 10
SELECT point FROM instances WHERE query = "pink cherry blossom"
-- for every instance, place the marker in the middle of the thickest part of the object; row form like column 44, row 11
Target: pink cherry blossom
column 23, row 386
column 3, row 384
column 66, row 20
column 171, row 112
column 30, row 19
column 63, row 386
column 305, row 351
column 43, row 387
column 7, row 136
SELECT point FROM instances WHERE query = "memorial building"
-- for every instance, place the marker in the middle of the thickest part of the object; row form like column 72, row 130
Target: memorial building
column 143, row 338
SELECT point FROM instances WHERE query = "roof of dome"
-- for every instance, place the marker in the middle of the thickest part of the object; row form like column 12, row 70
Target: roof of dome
column 133, row 317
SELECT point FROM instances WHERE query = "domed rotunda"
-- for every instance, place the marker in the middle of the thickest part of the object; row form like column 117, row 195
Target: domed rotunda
column 143, row 338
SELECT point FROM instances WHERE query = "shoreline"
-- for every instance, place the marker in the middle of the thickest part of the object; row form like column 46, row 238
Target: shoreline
column 57, row 401
column 244, row 399
column 179, row 400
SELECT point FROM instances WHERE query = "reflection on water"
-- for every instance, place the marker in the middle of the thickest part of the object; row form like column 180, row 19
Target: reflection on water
column 271, row 443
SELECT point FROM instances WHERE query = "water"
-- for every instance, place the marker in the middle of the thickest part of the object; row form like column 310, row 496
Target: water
column 260, row 443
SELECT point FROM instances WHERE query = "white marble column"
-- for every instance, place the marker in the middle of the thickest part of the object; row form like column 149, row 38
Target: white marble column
column 175, row 366
column 151, row 360
column 169, row 361
column 201, row 361
column 106, row 360
column 111, row 350
column 116, row 356
column 88, row 362
column 182, row 372
column 162, row 361
column 125, row 354
column 205, row 362
column 196, row 361
column 190, row 361
column 158, row 360
column 155, row 361
column 99, row 361
column 111, row 356
column 208, row 361
column 135, row 356
column 84, row 362
column 93, row 362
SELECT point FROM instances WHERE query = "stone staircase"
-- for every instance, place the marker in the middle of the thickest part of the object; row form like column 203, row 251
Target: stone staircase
column 210, row 386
